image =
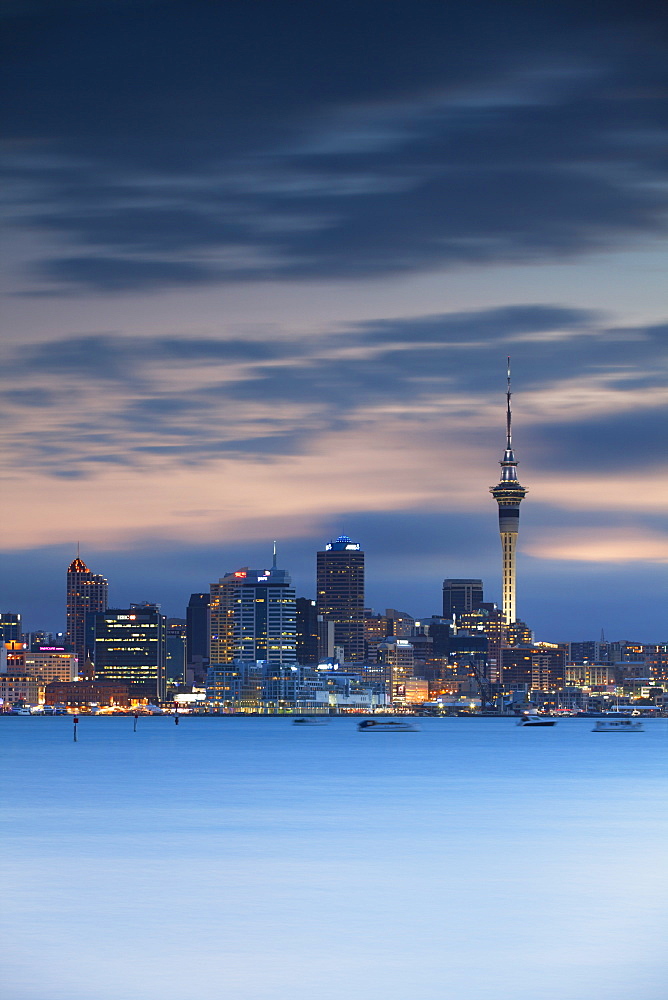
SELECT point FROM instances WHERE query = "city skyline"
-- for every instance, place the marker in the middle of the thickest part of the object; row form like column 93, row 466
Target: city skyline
column 264, row 272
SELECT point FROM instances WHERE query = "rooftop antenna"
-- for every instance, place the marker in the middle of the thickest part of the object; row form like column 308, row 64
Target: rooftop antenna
column 274, row 562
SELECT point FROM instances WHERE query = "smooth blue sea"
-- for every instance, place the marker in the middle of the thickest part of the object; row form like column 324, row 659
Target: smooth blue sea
column 251, row 859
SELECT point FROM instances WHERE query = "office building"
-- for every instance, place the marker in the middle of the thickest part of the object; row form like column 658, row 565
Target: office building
column 340, row 594
column 51, row 664
column 86, row 597
column 253, row 618
column 130, row 647
column 509, row 495
column 402, row 625
column 397, row 659
column 307, row 631
column 461, row 597
column 541, row 667
column 175, row 650
column 10, row 626
column 197, row 628
column 588, row 652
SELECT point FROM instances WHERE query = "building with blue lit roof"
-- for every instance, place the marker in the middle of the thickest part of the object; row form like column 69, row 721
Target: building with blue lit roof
column 340, row 595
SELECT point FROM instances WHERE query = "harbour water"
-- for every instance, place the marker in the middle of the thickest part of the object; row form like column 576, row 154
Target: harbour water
column 250, row 859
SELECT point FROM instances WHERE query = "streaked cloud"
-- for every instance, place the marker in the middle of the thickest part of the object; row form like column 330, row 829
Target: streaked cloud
column 621, row 546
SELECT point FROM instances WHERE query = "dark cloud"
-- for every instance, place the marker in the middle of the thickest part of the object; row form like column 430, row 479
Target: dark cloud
column 111, row 274
column 197, row 143
column 622, row 442
column 118, row 357
column 490, row 325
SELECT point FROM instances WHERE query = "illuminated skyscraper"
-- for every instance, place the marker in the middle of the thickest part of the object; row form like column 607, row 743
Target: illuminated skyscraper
column 130, row 647
column 509, row 495
column 253, row 618
column 340, row 594
column 86, row 597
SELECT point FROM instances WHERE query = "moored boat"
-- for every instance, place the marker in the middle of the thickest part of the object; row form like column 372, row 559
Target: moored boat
column 532, row 719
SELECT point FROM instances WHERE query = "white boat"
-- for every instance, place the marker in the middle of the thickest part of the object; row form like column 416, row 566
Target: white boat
column 618, row 726
column 534, row 719
column 309, row 720
column 386, row 726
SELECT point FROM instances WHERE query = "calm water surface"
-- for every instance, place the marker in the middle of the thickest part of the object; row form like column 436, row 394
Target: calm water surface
column 250, row 859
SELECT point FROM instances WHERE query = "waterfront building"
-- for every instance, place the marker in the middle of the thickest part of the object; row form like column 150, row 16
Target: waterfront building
column 21, row 688
column 83, row 694
column 417, row 690
column 398, row 662
column 86, row 597
column 130, row 647
column 461, row 597
column 340, row 595
column 509, row 495
column 52, row 664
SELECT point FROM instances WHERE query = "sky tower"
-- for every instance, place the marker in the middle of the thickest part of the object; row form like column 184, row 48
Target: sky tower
column 509, row 495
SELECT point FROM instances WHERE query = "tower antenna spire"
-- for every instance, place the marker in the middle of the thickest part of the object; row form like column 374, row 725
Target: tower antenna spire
column 274, row 562
column 509, row 437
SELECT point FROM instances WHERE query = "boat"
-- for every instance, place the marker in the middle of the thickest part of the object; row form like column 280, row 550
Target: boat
column 308, row 720
column 386, row 726
column 618, row 726
column 532, row 719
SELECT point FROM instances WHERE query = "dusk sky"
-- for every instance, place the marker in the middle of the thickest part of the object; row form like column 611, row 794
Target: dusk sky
column 264, row 262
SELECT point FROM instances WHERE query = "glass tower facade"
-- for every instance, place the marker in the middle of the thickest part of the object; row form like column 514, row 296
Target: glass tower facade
column 340, row 594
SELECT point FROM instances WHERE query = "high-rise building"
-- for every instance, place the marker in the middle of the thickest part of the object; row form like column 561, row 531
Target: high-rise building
column 86, row 597
column 175, row 650
column 130, row 646
column 10, row 626
column 509, row 495
column 340, row 594
column 461, row 596
column 541, row 666
column 197, row 628
column 397, row 657
column 253, row 618
column 307, row 631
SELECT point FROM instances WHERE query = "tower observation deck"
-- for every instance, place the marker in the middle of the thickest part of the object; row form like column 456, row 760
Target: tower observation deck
column 509, row 495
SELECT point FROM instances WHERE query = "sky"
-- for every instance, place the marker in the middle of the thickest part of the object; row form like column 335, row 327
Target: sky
column 263, row 263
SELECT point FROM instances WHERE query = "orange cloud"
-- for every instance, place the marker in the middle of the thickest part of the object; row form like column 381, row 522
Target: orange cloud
column 603, row 546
